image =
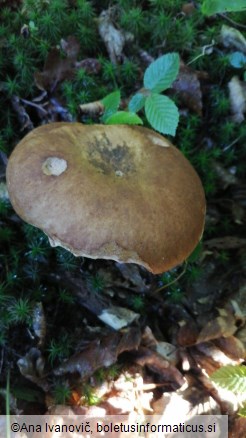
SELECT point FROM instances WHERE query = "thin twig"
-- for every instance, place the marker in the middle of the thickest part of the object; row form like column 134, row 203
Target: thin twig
column 234, row 23
column 173, row 281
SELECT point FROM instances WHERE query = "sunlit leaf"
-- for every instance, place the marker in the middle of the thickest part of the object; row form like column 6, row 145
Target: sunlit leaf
column 124, row 118
column 232, row 378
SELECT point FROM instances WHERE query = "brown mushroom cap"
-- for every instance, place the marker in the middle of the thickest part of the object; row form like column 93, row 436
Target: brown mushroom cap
column 115, row 192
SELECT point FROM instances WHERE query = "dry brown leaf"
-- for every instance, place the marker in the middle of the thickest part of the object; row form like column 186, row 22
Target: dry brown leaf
column 187, row 86
column 187, row 334
column 31, row 367
column 241, row 336
column 156, row 363
column 217, row 327
column 57, row 68
column 90, row 65
column 238, row 428
column 92, row 109
column 100, row 353
column 232, row 347
column 22, row 115
column 209, row 349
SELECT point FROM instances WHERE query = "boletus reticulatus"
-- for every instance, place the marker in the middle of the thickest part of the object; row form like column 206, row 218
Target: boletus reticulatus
column 115, row 192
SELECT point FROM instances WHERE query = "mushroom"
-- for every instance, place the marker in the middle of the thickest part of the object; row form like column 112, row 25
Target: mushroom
column 115, row 192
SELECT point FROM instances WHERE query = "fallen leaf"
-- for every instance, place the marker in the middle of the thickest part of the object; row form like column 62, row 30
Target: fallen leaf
column 57, row 68
column 237, row 96
column 188, row 88
column 118, row 317
column 92, row 109
column 232, row 347
column 22, row 115
column 100, row 353
column 168, row 351
column 187, row 334
column 233, row 38
column 211, row 350
column 220, row 326
column 90, row 65
column 156, row 363
column 31, row 367
column 238, row 428
column 113, row 38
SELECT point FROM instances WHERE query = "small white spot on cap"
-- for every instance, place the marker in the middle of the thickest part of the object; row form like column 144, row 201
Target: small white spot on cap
column 159, row 141
column 54, row 166
column 119, row 173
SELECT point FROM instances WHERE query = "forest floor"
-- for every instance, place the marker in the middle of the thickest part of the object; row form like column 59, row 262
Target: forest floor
column 173, row 330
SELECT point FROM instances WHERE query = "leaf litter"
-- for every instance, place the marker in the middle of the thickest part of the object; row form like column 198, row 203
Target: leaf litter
column 167, row 352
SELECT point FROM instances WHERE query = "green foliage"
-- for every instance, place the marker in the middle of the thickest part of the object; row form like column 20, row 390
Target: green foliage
column 137, row 302
column 133, row 20
column 90, row 397
column 111, row 104
column 59, row 349
column 210, row 7
column 124, row 117
column 161, row 112
column 111, row 116
column 20, row 310
column 161, row 73
column 231, row 377
column 96, row 282
column 62, row 393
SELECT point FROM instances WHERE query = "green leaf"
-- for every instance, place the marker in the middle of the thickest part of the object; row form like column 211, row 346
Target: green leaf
column 161, row 73
column 162, row 113
column 237, row 59
column 111, row 104
column 137, row 102
column 211, row 7
column 242, row 411
column 124, row 118
column 232, row 378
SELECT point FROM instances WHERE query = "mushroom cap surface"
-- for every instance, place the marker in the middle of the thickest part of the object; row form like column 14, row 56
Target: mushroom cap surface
column 115, row 192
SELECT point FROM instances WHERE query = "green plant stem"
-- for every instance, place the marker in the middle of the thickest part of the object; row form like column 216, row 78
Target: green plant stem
column 8, row 406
